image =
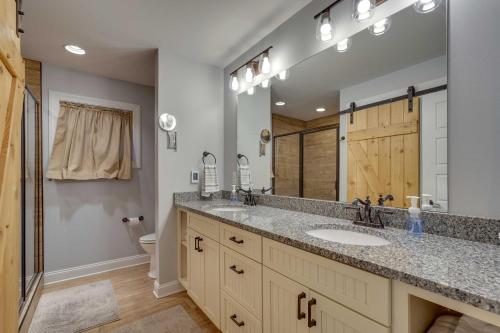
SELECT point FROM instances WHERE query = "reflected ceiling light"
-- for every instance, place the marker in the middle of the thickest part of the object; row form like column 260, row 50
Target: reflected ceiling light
column 249, row 73
column 343, row 45
column 75, row 49
column 265, row 64
column 321, row 109
column 324, row 30
column 363, row 9
column 380, row 27
column 283, row 75
column 234, row 84
column 251, row 90
column 280, row 103
column 426, row 6
column 265, row 83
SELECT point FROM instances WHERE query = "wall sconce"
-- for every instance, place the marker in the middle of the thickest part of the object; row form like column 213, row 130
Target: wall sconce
column 260, row 64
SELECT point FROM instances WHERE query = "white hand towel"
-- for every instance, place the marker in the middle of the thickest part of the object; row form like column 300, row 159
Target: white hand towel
column 210, row 182
column 244, row 177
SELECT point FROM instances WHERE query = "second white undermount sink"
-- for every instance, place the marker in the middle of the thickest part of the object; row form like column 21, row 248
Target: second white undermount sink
column 229, row 209
column 348, row 237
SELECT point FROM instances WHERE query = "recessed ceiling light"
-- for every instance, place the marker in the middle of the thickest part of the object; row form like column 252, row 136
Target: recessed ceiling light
column 321, row 109
column 280, row 103
column 75, row 49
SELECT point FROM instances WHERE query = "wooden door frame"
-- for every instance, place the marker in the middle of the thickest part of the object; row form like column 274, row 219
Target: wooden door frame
column 301, row 156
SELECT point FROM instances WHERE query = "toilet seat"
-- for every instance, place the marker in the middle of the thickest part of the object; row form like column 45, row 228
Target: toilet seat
column 148, row 239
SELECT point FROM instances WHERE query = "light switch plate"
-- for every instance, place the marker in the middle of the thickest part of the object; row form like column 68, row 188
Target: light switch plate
column 195, row 177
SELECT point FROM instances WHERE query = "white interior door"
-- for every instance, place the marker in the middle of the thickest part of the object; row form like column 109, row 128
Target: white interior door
column 434, row 139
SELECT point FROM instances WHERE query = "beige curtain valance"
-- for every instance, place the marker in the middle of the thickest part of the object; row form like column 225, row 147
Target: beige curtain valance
column 91, row 142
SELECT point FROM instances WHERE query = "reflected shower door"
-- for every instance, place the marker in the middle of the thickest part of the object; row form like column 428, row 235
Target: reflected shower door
column 287, row 165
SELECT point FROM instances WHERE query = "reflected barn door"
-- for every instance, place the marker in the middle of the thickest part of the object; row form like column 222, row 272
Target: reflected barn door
column 320, row 164
column 287, row 165
column 383, row 152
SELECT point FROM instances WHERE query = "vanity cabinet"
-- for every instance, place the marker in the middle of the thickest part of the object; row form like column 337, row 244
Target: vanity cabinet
column 203, row 273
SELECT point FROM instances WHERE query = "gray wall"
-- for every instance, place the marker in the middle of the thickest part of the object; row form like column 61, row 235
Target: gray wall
column 192, row 92
column 83, row 218
column 474, row 107
column 473, row 78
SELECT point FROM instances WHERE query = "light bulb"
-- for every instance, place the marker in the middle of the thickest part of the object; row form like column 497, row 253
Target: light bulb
column 380, row 27
column 249, row 74
column 325, row 29
column 266, row 64
column 265, row 83
column 234, row 83
column 251, row 91
column 363, row 9
column 344, row 45
column 283, row 75
column 426, row 6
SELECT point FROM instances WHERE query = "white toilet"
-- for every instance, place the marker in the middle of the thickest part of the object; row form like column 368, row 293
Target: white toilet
column 148, row 243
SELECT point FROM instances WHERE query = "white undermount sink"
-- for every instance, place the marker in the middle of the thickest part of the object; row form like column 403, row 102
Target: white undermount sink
column 229, row 209
column 348, row 237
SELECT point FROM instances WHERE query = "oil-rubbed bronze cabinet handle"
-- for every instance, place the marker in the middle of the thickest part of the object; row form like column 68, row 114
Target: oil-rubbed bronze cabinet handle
column 238, row 323
column 235, row 240
column 300, row 314
column 310, row 322
column 233, row 268
column 196, row 243
column 199, row 248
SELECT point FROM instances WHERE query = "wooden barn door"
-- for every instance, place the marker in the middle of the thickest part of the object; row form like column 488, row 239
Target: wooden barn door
column 383, row 152
column 11, row 102
column 287, row 165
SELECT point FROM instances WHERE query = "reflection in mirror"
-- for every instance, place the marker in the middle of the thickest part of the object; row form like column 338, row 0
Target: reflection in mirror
column 365, row 118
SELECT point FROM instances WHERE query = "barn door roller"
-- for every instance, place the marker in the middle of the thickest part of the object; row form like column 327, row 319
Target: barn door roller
column 411, row 94
column 352, row 108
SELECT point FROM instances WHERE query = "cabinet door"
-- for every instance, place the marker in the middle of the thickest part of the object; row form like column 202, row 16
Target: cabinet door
column 331, row 317
column 282, row 298
column 211, row 290
column 195, row 269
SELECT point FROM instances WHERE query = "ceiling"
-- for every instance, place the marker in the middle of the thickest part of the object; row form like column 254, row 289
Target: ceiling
column 413, row 38
column 121, row 36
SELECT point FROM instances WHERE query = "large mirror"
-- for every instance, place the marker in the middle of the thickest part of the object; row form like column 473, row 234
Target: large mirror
column 368, row 121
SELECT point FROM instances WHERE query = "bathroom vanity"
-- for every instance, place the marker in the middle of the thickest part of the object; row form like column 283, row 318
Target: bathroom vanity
column 259, row 269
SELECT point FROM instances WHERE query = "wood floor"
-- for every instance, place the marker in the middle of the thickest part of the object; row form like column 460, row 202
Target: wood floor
column 134, row 292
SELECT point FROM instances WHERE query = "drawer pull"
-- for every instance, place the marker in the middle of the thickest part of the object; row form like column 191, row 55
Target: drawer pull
column 300, row 314
column 233, row 238
column 199, row 248
column 233, row 268
column 310, row 322
column 238, row 323
column 196, row 243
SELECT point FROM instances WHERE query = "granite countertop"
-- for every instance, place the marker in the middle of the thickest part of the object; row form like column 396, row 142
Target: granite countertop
column 462, row 270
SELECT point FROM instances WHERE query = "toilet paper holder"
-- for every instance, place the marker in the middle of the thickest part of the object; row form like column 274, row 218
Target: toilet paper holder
column 127, row 219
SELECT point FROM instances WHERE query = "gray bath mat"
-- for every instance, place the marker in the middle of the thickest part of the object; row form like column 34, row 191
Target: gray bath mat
column 76, row 309
column 173, row 320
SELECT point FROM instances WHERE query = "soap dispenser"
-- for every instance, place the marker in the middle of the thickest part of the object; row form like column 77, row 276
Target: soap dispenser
column 234, row 196
column 414, row 223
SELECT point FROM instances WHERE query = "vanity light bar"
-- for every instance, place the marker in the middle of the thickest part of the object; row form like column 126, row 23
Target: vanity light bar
column 253, row 68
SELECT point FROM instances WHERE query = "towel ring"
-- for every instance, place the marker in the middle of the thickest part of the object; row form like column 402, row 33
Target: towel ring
column 205, row 154
column 240, row 156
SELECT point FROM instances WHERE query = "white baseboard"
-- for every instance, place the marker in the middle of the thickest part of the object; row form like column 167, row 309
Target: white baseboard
column 165, row 289
column 95, row 268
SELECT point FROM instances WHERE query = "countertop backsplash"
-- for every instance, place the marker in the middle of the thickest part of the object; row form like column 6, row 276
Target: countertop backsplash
column 475, row 229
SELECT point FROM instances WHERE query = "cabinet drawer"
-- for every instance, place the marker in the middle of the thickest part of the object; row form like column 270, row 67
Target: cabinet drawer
column 244, row 242
column 236, row 319
column 363, row 292
column 241, row 278
column 204, row 225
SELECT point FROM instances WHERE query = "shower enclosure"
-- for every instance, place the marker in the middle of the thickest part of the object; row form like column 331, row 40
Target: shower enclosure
column 31, row 242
